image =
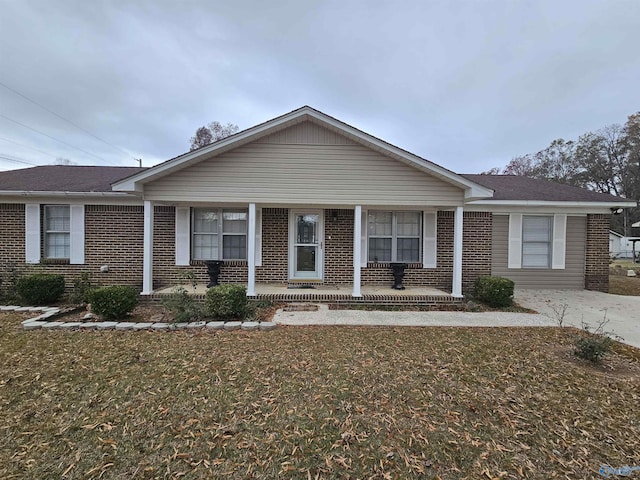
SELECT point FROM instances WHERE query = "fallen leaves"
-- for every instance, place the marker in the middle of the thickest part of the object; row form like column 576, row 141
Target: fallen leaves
column 308, row 403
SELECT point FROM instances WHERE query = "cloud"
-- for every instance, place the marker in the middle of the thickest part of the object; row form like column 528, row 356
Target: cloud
column 466, row 84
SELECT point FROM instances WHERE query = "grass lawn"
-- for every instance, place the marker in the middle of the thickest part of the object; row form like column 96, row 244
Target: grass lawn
column 331, row 402
column 620, row 285
column 625, row 263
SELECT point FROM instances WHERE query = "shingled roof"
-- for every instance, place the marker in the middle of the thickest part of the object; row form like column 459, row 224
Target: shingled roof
column 72, row 178
column 64, row 178
column 514, row 187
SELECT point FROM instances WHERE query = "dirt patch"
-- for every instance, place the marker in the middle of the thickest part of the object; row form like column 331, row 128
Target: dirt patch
column 300, row 308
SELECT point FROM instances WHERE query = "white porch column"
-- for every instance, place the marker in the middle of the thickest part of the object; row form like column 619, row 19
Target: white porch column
column 251, row 252
column 147, row 256
column 357, row 249
column 456, row 288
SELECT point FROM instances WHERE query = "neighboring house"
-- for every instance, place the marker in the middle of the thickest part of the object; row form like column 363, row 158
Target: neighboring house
column 623, row 247
column 303, row 199
column 615, row 244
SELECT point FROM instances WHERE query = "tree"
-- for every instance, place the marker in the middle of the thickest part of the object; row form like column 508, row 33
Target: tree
column 523, row 165
column 211, row 133
column 602, row 157
column 64, row 161
column 606, row 161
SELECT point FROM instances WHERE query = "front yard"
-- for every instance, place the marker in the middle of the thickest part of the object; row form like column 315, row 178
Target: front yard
column 331, row 402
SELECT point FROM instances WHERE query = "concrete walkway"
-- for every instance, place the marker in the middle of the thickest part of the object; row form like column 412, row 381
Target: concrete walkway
column 324, row 316
column 623, row 312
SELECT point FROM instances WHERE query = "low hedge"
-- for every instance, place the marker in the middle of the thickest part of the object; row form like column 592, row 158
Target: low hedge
column 226, row 302
column 113, row 302
column 40, row 289
column 494, row 291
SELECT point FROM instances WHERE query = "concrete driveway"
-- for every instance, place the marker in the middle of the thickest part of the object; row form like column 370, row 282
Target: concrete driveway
column 623, row 312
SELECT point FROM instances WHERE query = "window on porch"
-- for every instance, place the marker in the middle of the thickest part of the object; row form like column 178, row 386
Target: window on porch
column 394, row 236
column 219, row 234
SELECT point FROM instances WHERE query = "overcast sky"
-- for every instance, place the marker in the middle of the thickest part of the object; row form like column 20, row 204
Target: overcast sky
column 466, row 84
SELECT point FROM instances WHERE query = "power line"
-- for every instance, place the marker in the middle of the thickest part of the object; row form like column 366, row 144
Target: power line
column 29, row 146
column 65, row 119
column 5, row 157
column 52, row 138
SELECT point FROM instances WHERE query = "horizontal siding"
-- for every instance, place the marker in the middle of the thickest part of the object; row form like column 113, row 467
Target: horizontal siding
column 307, row 133
column 572, row 277
column 313, row 174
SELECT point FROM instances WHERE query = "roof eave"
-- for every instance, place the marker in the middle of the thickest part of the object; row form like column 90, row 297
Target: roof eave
column 46, row 193
column 546, row 203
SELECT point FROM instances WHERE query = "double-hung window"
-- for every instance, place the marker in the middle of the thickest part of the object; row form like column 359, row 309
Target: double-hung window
column 537, row 235
column 394, row 236
column 219, row 234
column 57, row 231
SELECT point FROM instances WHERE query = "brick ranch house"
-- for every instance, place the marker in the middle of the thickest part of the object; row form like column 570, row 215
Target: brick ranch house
column 303, row 199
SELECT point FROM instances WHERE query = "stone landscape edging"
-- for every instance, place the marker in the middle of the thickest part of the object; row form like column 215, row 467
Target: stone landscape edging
column 46, row 321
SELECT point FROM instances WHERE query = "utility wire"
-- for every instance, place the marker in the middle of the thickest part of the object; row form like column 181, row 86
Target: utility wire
column 65, row 119
column 29, row 146
column 4, row 157
column 53, row 138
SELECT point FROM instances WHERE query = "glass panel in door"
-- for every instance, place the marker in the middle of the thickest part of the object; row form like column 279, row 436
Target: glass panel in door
column 306, row 248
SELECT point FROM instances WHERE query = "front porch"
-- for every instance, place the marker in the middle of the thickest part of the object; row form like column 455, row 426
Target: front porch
column 330, row 248
column 333, row 294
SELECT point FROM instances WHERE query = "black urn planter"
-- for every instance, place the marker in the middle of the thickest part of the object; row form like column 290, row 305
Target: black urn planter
column 213, row 270
column 398, row 275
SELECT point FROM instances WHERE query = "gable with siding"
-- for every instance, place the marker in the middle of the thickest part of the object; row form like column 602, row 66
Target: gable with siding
column 304, row 164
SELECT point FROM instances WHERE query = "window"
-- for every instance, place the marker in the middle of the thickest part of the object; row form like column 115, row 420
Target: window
column 394, row 236
column 219, row 234
column 57, row 223
column 536, row 241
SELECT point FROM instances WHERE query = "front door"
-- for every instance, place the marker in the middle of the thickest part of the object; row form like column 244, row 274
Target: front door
column 305, row 245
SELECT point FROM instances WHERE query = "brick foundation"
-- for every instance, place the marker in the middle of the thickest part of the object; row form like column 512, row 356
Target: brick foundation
column 597, row 253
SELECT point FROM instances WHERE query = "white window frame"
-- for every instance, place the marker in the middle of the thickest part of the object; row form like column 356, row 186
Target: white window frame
column 46, row 232
column 220, row 234
column 394, row 236
column 549, row 242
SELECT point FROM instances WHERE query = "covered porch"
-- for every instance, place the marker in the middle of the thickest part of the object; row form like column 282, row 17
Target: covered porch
column 342, row 267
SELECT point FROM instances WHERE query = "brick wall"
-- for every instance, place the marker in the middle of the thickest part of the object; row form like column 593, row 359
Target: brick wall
column 439, row 277
column 338, row 247
column 476, row 256
column 113, row 237
column 165, row 271
column 476, row 248
column 597, row 253
column 275, row 246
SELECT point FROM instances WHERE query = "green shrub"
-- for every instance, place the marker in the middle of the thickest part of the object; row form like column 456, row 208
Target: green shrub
column 226, row 301
column 593, row 347
column 113, row 302
column 82, row 287
column 494, row 291
column 182, row 306
column 40, row 289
